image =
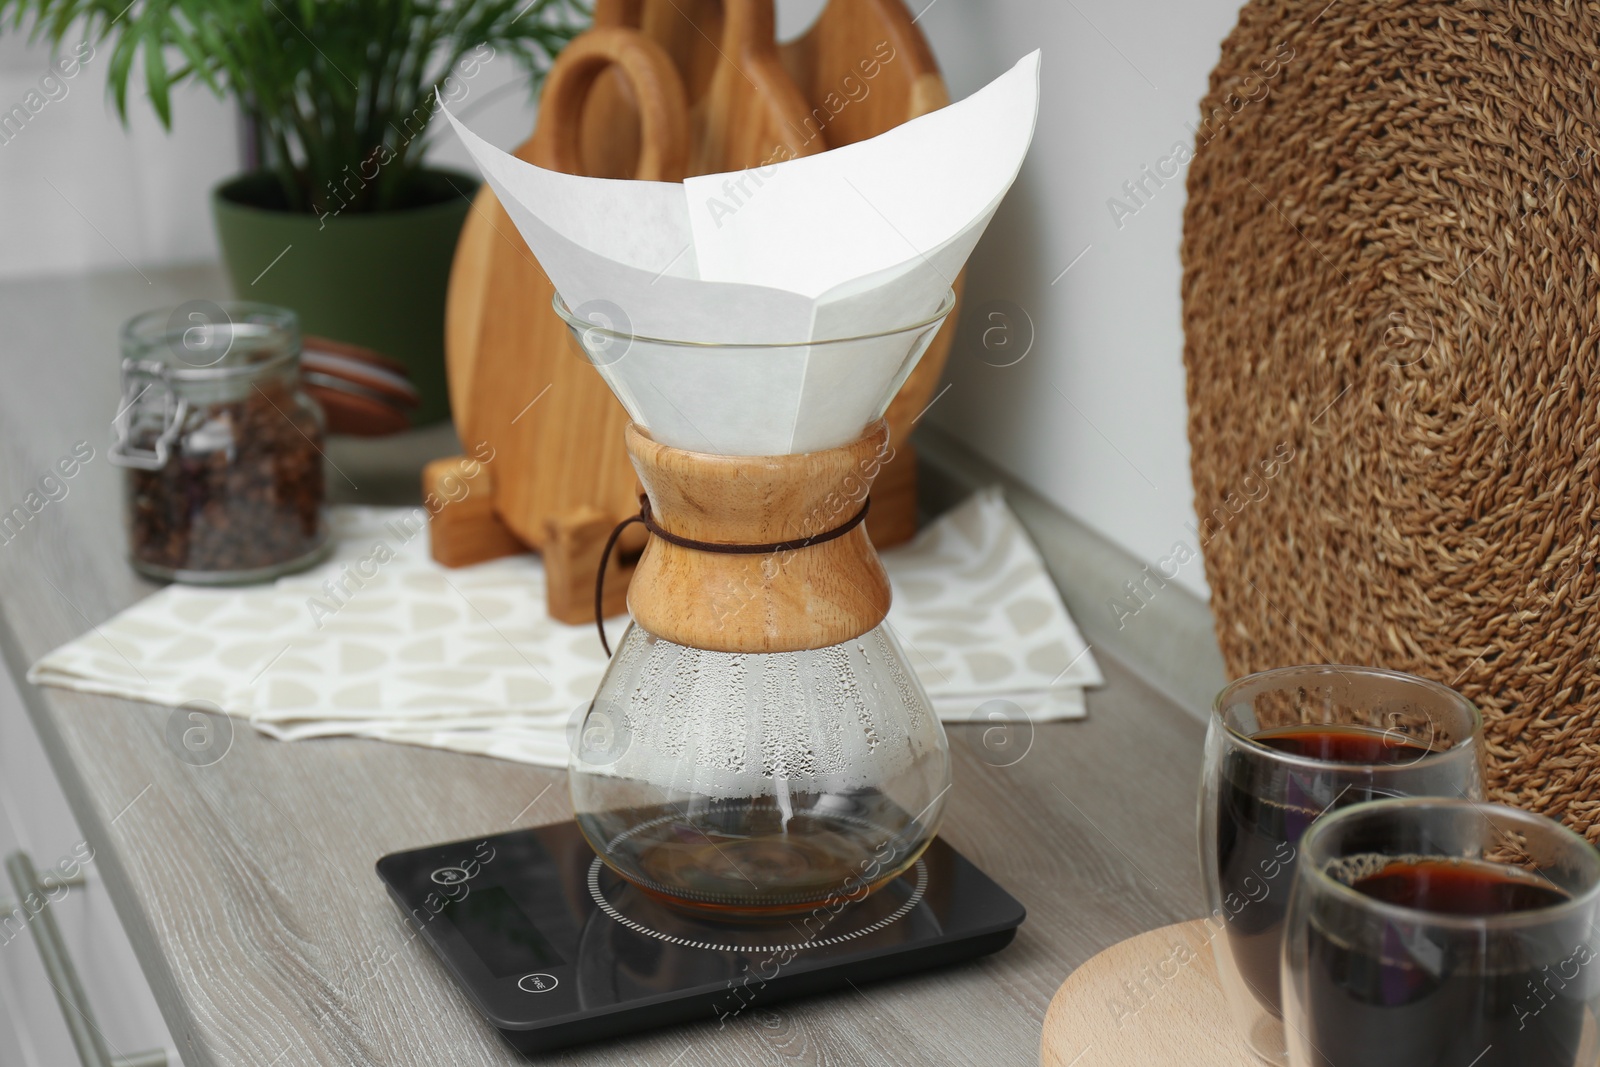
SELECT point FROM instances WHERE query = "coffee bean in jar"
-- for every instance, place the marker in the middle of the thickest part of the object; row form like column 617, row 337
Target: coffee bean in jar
column 223, row 448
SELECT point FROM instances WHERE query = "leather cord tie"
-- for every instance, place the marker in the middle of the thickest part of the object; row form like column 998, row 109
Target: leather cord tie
column 645, row 519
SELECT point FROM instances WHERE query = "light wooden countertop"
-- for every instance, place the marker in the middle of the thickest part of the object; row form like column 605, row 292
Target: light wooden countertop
column 247, row 886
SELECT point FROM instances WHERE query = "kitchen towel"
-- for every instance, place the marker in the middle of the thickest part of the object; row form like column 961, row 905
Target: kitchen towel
column 382, row 642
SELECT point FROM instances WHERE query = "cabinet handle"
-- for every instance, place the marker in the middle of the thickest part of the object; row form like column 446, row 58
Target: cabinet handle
column 86, row 1036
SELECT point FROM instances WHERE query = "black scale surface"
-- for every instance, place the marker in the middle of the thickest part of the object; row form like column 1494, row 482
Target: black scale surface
column 554, row 948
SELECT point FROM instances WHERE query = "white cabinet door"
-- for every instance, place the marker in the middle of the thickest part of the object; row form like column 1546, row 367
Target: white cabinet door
column 34, row 817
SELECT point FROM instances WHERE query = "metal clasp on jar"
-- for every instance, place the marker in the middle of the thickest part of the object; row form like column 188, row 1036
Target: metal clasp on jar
column 145, row 382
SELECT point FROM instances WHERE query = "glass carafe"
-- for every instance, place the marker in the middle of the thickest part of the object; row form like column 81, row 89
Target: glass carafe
column 759, row 743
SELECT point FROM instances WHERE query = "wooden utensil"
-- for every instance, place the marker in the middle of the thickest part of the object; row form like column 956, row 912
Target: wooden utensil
column 871, row 58
column 752, row 113
column 744, row 108
column 610, row 136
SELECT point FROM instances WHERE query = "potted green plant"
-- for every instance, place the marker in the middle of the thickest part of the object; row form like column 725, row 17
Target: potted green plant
column 343, row 221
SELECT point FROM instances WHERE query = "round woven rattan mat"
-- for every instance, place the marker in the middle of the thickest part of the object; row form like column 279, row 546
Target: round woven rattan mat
column 1391, row 294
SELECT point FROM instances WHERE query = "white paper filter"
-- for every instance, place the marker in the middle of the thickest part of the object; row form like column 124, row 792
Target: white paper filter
column 856, row 240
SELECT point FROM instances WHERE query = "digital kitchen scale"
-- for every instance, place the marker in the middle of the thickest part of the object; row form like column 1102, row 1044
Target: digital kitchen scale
column 554, row 948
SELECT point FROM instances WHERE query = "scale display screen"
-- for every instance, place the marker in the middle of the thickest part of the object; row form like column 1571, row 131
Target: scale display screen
column 501, row 933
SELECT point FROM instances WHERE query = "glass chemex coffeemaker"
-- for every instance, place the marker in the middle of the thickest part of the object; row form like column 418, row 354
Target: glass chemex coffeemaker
column 759, row 743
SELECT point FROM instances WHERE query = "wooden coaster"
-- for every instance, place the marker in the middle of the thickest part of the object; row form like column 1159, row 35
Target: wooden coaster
column 1153, row 999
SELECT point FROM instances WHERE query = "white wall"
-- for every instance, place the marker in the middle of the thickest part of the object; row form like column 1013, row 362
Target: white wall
column 79, row 192
column 1093, row 417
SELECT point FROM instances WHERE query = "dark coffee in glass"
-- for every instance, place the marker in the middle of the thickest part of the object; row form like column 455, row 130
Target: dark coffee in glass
column 1430, row 933
column 1260, row 822
column 1285, row 747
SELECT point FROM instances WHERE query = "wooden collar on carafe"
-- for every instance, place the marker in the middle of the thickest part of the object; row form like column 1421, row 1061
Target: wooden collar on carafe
column 789, row 600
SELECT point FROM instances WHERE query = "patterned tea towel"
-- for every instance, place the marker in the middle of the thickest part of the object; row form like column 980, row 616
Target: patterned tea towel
column 382, row 642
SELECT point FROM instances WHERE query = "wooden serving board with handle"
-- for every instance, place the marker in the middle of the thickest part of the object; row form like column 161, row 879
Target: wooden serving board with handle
column 1153, row 999
column 507, row 352
column 489, row 238
column 518, row 388
column 554, row 427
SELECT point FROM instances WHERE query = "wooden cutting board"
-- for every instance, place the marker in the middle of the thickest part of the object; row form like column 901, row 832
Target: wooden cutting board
column 489, row 238
column 1151, row 1000
column 554, row 427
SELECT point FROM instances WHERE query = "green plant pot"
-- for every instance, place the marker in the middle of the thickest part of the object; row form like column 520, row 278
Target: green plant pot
column 376, row 280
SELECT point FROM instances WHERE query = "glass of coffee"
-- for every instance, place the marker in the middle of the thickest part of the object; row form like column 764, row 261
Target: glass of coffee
column 1285, row 747
column 1430, row 932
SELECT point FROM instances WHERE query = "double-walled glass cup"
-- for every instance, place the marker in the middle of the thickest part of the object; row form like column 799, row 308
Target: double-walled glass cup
column 1437, row 933
column 1283, row 748
column 747, row 783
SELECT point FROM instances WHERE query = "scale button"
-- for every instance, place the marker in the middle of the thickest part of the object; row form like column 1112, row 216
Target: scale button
column 449, row 876
column 536, row 983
